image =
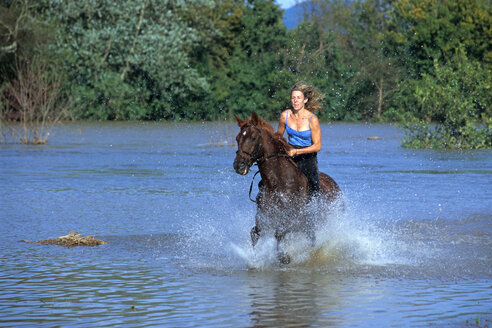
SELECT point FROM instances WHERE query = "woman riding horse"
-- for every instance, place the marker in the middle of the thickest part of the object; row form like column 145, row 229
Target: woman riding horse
column 282, row 200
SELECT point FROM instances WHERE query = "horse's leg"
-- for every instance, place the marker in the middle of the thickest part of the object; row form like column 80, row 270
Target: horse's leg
column 311, row 234
column 310, row 219
column 282, row 257
column 255, row 232
column 255, row 235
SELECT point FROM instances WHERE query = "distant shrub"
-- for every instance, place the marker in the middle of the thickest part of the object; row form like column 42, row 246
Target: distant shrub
column 33, row 104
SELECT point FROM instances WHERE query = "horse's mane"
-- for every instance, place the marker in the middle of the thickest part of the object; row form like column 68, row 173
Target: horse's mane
column 284, row 145
column 276, row 137
column 260, row 123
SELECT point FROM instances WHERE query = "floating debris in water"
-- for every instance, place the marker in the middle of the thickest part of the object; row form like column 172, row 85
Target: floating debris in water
column 71, row 240
column 373, row 138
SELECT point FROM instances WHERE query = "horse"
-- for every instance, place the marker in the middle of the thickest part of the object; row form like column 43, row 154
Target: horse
column 282, row 200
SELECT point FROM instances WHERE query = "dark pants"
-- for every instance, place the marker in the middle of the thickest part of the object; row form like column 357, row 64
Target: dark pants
column 308, row 164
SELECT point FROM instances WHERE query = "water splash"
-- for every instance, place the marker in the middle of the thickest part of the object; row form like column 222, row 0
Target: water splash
column 357, row 240
column 345, row 238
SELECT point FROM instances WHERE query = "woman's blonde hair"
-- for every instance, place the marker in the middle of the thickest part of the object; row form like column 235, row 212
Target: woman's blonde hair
column 311, row 93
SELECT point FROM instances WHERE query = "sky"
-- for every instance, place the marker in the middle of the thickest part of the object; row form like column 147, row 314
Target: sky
column 284, row 4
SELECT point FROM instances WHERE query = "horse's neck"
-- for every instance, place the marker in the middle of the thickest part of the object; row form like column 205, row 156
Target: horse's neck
column 273, row 160
column 271, row 149
column 270, row 170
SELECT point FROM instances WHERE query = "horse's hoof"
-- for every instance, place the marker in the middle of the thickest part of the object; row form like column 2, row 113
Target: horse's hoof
column 284, row 258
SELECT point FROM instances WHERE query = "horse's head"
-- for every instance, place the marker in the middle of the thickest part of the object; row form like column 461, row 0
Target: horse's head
column 249, row 143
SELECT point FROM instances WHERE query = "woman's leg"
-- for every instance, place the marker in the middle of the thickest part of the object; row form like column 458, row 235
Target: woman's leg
column 309, row 166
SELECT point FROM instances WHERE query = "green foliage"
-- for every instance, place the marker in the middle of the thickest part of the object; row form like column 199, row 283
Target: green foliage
column 128, row 59
column 377, row 60
column 456, row 96
column 212, row 58
column 109, row 98
column 255, row 67
column 423, row 30
column 21, row 36
column 440, row 84
column 360, row 72
column 315, row 56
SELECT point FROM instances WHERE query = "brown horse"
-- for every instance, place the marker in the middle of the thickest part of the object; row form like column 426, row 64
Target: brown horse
column 282, row 200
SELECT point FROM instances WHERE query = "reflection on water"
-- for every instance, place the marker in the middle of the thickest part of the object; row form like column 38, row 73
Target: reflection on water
column 412, row 248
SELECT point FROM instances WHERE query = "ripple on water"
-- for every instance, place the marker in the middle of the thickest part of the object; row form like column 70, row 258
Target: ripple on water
column 413, row 247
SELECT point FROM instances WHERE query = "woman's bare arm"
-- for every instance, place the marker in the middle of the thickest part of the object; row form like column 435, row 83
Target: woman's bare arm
column 282, row 122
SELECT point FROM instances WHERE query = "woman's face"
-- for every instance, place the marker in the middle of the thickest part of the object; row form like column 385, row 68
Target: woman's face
column 298, row 100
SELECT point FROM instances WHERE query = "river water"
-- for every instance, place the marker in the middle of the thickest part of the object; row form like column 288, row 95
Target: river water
column 412, row 248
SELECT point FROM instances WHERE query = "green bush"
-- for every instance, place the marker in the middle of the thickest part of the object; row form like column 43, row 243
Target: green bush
column 457, row 98
column 111, row 99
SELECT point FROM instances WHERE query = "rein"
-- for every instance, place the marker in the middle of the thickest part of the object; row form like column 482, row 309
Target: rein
column 251, row 187
column 262, row 161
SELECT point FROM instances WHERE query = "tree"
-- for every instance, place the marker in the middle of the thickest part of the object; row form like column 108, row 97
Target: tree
column 21, row 36
column 442, row 85
column 424, row 30
column 211, row 57
column 35, row 98
column 377, row 70
column 456, row 97
column 127, row 59
column 351, row 39
column 255, row 67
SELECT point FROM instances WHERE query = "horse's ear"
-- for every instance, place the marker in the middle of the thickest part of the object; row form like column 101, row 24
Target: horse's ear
column 239, row 121
column 255, row 118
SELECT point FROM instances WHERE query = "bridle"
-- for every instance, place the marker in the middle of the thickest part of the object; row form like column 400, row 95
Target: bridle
column 253, row 156
column 254, row 159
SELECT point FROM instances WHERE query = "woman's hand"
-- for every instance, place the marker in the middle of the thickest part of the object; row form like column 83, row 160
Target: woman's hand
column 292, row 152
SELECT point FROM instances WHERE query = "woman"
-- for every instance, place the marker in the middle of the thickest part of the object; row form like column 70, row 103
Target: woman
column 303, row 131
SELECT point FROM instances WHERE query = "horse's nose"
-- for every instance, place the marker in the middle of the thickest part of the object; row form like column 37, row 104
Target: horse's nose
column 241, row 167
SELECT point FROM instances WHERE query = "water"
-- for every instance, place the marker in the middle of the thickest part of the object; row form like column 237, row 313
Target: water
column 412, row 248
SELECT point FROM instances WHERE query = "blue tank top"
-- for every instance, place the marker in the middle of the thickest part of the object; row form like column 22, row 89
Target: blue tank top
column 298, row 138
